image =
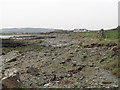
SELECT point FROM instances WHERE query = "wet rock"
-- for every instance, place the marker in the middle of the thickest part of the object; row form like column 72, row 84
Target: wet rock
column 11, row 43
column 106, row 82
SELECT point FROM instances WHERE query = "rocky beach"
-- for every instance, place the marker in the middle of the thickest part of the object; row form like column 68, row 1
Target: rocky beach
column 67, row 60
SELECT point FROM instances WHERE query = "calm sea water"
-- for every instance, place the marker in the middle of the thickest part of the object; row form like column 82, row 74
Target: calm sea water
column 22, row 30
column 6, row 36
column 25, row 30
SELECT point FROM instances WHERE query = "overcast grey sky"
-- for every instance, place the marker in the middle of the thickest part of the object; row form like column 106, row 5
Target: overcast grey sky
column 65, row 14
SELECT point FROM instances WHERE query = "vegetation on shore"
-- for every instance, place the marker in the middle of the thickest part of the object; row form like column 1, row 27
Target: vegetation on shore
column 110, row 37
column 21, row 45
column 86, row 52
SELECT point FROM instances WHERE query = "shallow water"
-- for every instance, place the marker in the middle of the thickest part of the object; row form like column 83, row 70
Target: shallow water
column 5, row 36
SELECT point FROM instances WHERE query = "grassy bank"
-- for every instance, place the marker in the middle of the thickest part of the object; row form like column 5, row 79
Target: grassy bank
column 21, row 45
column 110, row 37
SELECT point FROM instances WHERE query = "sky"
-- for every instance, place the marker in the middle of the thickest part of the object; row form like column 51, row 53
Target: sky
column 59, row 14
column 119, row 14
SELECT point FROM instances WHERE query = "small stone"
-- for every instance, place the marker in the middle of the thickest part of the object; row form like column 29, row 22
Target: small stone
column 48, row 84
column 69, row 75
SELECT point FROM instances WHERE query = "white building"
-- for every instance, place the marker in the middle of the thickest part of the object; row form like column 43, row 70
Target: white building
column 80, row 30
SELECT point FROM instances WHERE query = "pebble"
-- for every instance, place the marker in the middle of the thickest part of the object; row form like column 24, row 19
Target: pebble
column 48, row 84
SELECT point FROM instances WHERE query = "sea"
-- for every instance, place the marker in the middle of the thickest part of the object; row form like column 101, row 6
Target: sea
column 21, row 30
column 25, row 30
column 6, row 36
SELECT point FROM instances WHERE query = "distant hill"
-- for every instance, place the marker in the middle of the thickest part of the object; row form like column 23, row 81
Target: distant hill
column 25, row 30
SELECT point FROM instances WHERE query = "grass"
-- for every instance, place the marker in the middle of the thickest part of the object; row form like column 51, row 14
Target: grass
column 20, row 88
column 111, row 34
column 80, row 44
column 22, row 48
column 75, row 86
column 65, row 56
column 83, row 34
column 58, row 89
column 114, row 67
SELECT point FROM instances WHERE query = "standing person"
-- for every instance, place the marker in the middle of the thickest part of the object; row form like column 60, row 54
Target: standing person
column 100, row 34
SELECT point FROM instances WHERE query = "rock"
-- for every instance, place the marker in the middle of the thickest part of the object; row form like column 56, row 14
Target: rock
column 74, row 64
column 91, row 64
column 47, row 85
column 116, row 50
column 101, row 77
column 96, row 68
column 76, row 70
column 77, row 50
column 62, row 62
column 111, row 44
column 11, row 79
column 115, row 85
column 33, row 71
column 3, row 53
column 11, row 72
column 67, row 60
column 67, row 82
column 93, row 45
column 103, row 59
column 69, row 75
column 10, row 57
column 71, row 53
column 106, row 82
column 55, row 78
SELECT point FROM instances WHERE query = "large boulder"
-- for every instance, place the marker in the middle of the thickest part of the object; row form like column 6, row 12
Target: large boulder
column 33, row 71
column 9, row 57
column 11, row 79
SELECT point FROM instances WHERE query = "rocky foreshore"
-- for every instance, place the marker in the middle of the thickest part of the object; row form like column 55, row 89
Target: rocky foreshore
column 63, row 62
